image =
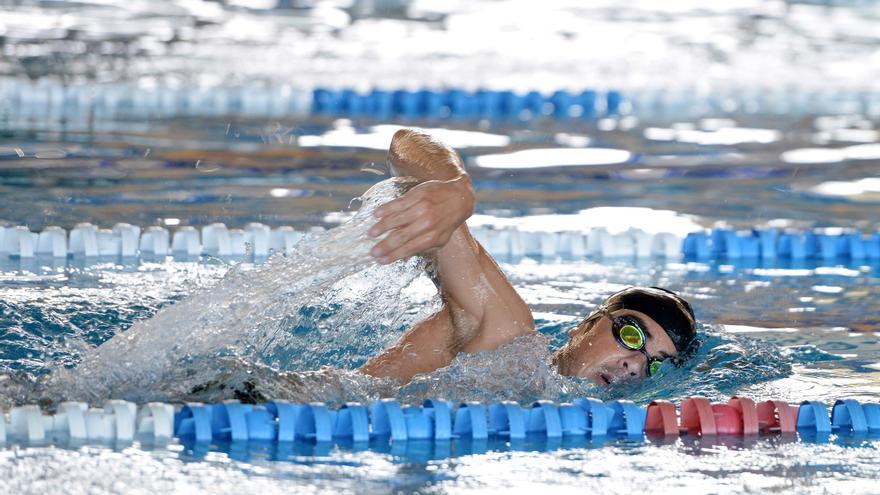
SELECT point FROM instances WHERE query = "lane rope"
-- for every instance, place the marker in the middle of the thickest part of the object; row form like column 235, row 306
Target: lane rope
column 69, row 104
column 436, row 420
column 257, row 240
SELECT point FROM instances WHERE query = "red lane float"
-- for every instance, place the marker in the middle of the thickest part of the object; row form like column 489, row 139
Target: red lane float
column 661, row 418
column 740, row 416
column 777, row 416
column 748, row 412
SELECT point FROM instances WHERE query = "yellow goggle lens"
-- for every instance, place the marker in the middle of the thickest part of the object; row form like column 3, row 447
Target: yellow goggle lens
column 632, row 337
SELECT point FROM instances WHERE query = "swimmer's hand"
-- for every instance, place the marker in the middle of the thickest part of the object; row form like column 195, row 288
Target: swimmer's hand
column 423, row 219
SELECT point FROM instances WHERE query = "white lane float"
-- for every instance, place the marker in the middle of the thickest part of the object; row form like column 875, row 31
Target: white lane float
column 155, row 241
column 52, row 242
column 186, row 241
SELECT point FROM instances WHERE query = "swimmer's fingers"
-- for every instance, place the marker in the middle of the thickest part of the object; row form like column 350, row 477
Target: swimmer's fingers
column 411, row 207
column 416, row 245
column 402, row 203
column 390, row 221
column 424, row 218
column 401, row 243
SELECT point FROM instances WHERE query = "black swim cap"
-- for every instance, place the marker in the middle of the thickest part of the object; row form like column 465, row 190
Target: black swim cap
column 665, row 307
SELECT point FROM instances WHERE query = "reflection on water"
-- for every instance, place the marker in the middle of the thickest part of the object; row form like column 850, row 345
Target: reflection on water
column 261, row 57
column 196, row 173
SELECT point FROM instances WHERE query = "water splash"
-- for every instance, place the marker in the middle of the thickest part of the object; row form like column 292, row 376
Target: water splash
column 282, row 313
column 723, row 364
column 271, row 331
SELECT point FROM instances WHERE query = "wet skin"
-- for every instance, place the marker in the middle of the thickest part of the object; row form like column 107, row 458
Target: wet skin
column 481, row 309
column 593, row 352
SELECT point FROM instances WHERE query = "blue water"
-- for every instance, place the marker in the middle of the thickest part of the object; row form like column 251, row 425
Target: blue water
column 769, row 329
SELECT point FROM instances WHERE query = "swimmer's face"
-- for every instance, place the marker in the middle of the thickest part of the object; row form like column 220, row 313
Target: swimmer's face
column 594, row 353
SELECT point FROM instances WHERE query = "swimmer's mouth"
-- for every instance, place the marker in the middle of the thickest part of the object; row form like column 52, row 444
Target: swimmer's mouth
column 604, row 379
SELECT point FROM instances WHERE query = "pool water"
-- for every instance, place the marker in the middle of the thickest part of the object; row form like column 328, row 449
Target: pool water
column 771, row 329
column 702, row 142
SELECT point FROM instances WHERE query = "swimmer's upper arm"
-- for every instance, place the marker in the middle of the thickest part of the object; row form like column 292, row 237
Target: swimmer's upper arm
column 426, row 347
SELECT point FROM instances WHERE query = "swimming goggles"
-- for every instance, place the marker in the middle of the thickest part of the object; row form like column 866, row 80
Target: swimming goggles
column 630, row 335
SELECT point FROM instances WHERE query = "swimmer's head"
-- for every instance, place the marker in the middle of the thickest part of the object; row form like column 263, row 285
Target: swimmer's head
column 600, row 350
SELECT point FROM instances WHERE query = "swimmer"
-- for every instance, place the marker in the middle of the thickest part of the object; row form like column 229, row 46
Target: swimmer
column 626, row 338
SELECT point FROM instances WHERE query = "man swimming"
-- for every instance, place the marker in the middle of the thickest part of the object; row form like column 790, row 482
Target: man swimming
column 626, row 338
column 213, row 344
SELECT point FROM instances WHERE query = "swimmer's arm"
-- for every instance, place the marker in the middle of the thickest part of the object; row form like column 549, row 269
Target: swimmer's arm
column 427, row 346
column 481, row 309
column 430, row 219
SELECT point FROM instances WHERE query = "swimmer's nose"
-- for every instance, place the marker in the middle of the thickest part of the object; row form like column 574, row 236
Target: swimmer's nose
column 630, row 368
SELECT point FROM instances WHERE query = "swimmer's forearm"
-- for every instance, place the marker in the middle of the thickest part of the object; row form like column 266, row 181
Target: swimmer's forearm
column 416, row 154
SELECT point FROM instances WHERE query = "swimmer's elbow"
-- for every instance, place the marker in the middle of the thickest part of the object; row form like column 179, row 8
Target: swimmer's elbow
column 417, row 154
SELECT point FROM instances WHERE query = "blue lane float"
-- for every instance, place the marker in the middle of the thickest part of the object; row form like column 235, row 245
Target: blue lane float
column 459, row 104
column 826, row 245
column 872, row 416
column 544, row 420
column 813, row 418
column 849, row 415
column 352, row 423
column 83, row 104
column 598, row 415
column 471, row 421
column 507, row 419
column 628, row 419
